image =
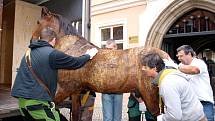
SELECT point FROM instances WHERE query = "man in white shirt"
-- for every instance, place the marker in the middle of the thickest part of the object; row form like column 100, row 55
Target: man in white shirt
column 181, row 102
column 196, row 70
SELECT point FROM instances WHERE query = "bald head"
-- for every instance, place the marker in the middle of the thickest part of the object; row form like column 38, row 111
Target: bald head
column 111, row 44
column 48, row 34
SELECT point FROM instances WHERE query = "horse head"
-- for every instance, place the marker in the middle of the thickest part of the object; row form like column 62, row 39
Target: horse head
column 59, row 24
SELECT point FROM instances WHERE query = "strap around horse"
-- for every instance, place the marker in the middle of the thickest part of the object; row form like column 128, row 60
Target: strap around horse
column 84, row 98
column 28, row 61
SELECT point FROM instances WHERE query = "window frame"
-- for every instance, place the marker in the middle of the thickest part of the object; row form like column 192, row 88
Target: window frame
column 120, row 41
column 109, row 24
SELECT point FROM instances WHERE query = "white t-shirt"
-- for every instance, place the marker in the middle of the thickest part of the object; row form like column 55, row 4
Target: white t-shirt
column 201, row 82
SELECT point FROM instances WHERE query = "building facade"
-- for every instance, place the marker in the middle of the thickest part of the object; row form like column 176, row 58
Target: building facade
column 116, row 19
column 165, row 24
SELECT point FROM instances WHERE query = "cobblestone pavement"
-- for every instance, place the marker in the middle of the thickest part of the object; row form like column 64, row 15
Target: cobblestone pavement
column 97, row 114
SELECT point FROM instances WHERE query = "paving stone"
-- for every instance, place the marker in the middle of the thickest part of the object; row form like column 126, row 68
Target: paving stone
column 97, row 113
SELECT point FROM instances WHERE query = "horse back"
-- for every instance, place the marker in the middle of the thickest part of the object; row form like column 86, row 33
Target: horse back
column 109, row 71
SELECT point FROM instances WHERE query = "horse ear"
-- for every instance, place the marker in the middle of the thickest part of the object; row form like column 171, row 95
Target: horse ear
column 45, row 12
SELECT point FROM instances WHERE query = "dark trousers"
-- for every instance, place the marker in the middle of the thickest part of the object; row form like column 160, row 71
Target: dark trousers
column 137, row 118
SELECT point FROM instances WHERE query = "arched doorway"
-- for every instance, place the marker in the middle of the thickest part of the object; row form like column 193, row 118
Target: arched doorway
column 186, row 22
column 195, row 28
column 170, row 15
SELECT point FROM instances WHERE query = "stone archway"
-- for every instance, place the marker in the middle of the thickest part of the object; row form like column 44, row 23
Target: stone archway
column 169, row 15
column 167, row 18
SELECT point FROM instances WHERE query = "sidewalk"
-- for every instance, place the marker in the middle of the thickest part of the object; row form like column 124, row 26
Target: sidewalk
column 97, row 114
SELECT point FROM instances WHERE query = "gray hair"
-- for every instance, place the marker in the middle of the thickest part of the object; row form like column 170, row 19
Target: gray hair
column 111, row 44
column 151, row 60
column 187, row 49
column 110, row 41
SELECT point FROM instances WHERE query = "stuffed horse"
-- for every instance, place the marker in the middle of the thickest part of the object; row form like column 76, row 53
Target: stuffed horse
column 110, row 71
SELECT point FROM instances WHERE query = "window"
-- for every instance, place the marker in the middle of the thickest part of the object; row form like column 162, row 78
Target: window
column 118, row 33
column 77, row 24
column 112, row 32
column 105, row 34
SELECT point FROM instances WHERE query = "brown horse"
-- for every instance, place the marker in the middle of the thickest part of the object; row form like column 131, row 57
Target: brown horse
column 110, row 71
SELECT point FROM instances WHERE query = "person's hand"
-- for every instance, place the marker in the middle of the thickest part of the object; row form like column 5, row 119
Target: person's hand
column 170, row 62
column 142, row 107
column 159, row 117
column 92, row 52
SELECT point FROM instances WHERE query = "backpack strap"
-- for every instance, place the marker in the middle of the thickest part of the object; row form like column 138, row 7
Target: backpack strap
column 28, row 61
column 163, row 74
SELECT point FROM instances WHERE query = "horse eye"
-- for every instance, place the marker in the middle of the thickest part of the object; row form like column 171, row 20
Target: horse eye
column 38, row 22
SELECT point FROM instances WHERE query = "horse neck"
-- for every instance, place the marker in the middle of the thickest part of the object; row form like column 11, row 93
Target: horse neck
column 74, row 45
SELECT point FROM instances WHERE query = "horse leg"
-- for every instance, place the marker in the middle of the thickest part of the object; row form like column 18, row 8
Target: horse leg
column 60, row 95
column 150, row 97
column 76, row 104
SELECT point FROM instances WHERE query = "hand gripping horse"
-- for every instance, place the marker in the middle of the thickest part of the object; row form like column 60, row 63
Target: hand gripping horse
column 110, row 71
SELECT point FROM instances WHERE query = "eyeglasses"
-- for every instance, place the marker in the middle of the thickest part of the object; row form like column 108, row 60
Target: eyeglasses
column 180, row 55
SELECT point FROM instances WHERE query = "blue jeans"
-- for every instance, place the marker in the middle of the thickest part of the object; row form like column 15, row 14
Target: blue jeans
column 112, row 107
column 208, row 110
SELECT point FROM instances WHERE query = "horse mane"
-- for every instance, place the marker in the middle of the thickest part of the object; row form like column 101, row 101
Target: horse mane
column 65, row 26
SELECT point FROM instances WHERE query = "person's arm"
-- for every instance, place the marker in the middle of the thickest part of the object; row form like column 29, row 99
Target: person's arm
column 188, row 69
column 60, row 60
column 139, row 99
column 170, row 63
column 142, row 106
